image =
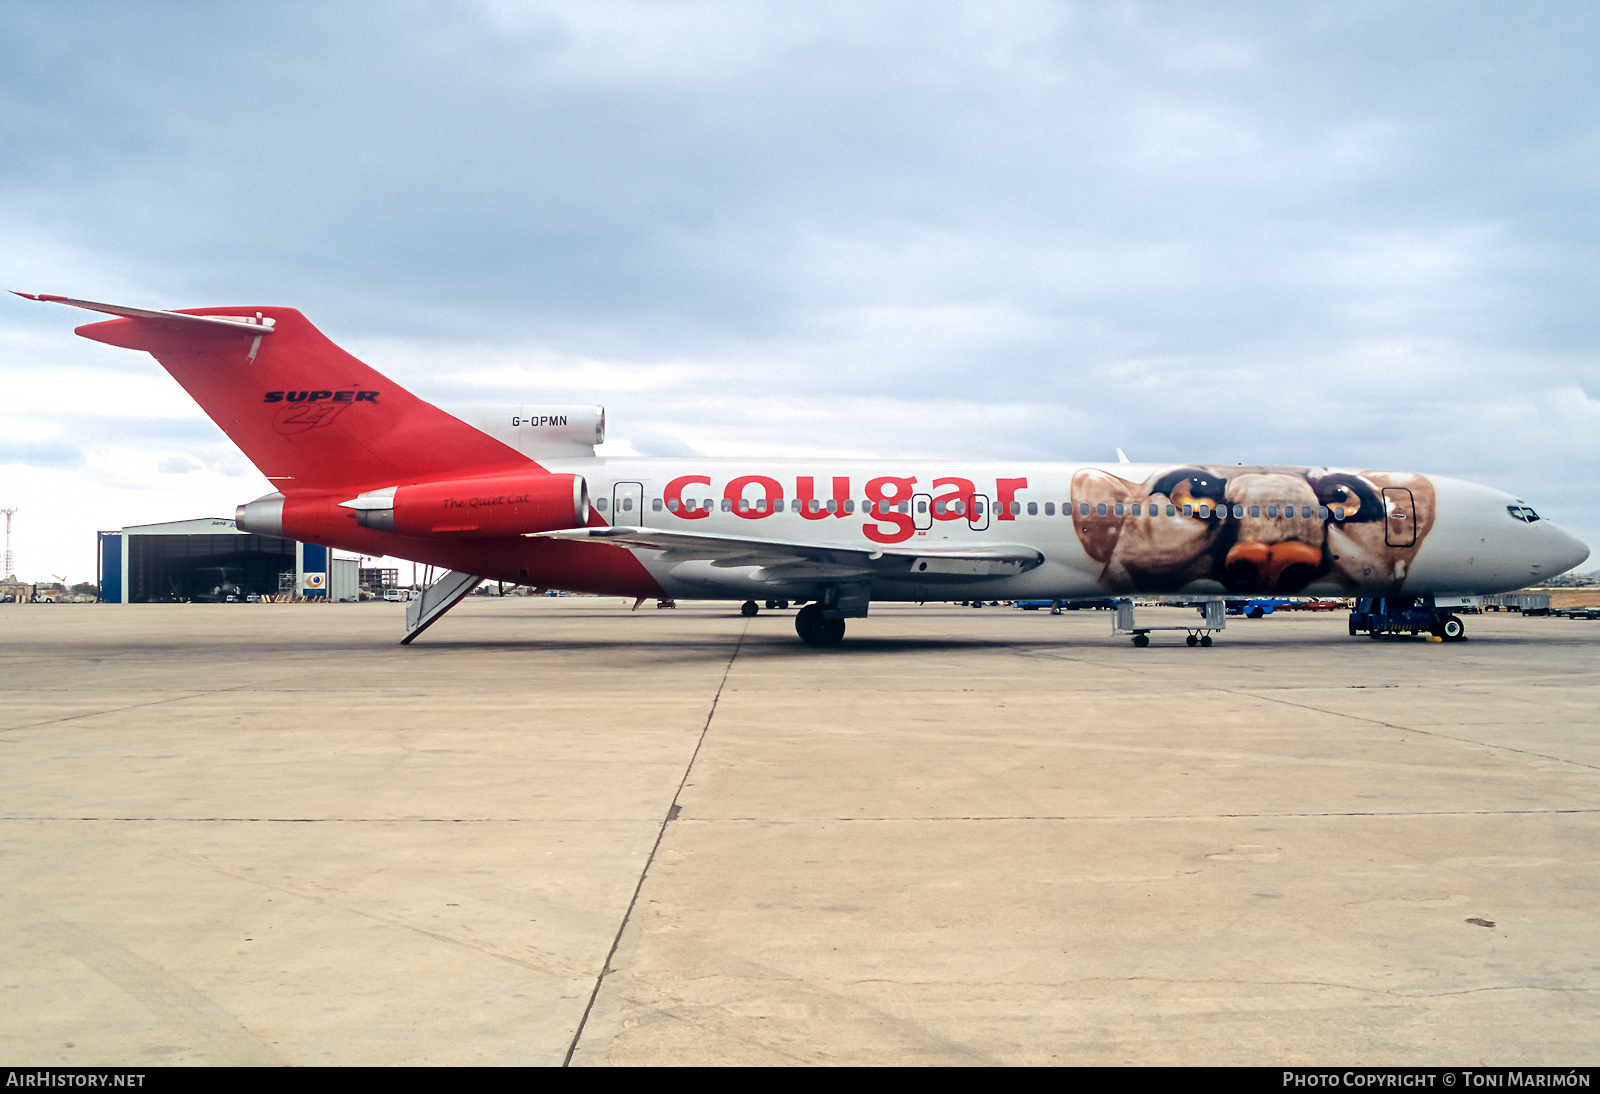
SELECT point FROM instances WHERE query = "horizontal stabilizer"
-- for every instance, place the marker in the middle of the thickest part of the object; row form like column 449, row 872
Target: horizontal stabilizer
column 253, row 325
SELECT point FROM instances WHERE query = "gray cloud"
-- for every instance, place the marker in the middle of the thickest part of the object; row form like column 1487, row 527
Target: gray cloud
column 1354, row 234
column 52, row 454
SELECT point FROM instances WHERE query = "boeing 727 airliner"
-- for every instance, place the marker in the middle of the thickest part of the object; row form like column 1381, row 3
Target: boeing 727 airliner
column 517, row 494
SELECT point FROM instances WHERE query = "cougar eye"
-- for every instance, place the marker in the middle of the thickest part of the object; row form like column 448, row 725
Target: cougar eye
column 1358, row 498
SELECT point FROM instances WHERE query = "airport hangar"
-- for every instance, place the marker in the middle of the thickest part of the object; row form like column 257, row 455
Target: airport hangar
column 210, row 558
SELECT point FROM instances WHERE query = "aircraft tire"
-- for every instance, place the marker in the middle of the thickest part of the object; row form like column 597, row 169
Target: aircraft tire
column 816, row 631
column 750, row 608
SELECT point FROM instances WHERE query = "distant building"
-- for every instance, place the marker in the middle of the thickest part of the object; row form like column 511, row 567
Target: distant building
column 210, row 559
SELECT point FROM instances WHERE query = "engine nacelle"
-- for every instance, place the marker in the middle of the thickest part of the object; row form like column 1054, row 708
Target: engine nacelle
column 540, row 432
column 493, row 505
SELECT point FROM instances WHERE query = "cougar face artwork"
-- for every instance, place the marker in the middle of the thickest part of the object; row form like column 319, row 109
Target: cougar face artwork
column 1252, row 530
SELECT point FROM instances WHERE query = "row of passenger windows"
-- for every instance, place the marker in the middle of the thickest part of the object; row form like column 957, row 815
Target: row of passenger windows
column 958, row 507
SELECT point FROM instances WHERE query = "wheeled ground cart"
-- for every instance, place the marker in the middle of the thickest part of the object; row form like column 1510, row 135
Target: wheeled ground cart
column 1212, row 619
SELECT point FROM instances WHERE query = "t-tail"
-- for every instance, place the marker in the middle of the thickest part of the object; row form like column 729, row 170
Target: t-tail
column 310, row 416
column 359, row 462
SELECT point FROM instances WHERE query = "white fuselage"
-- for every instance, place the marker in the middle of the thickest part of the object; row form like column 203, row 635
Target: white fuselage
column 1101, row 529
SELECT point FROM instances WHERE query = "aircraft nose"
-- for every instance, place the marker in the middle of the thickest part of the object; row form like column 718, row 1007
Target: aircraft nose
column 1565, row 551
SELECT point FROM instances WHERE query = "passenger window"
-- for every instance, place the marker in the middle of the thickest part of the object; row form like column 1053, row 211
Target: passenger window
column 1100, row 509
column 655, row 505
column 833, row 505
column 744, row 505
column 1272, row 511
column 1338, row 512
column 1238, row 512
column 1118, row 509
column 1255, row 510
column 959, row 506
column 849, row 505
column 1204, row 511
column 1188, row 510
column 922, row 508
column 1172, row 510
column 1322, row 512
column 1049, row 508
column 627, row 505
column 1033, row 508
column 673, row 505
column 727, row 505
column 600, row 504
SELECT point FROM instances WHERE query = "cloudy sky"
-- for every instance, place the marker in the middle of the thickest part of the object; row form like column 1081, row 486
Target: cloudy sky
column 1324, row 233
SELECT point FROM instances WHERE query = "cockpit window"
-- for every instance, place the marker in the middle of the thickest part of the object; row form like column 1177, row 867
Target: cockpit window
column 1523, row 512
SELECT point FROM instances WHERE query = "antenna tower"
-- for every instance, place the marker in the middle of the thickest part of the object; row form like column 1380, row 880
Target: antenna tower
column 9, row 569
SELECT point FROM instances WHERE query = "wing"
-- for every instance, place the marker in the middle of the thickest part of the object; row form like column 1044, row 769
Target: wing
column 789, row 560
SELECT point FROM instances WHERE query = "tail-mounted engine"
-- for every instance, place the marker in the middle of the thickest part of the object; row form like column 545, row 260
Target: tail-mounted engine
column 498, row 505
column 480, row 506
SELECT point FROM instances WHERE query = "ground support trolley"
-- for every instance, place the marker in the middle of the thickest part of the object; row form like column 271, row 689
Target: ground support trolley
column 1212, row 618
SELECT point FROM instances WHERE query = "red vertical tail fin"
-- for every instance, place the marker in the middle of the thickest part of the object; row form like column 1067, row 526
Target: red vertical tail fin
column 308, row 414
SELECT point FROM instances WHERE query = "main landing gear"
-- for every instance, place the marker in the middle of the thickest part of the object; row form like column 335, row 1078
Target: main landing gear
column 816, row 631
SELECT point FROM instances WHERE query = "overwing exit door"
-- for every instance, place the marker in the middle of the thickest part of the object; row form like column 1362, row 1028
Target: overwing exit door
column 978, row 512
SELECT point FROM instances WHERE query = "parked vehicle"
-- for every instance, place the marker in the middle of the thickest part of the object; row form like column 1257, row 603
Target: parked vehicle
column 1256, row 607
column 1381, row 615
